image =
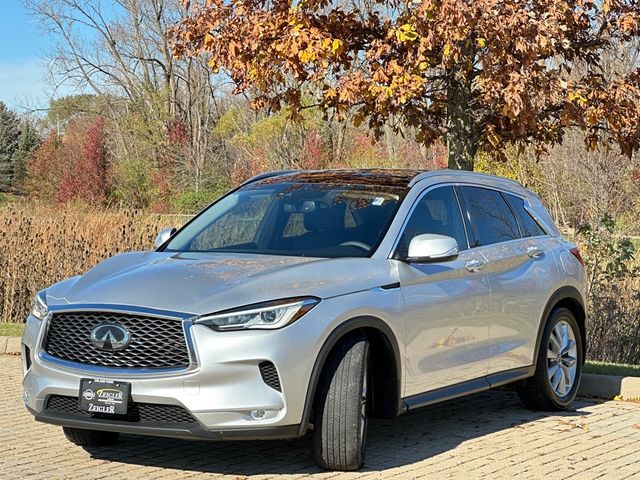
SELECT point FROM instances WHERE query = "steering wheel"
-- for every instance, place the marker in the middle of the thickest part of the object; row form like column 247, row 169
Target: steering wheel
column 356, row 243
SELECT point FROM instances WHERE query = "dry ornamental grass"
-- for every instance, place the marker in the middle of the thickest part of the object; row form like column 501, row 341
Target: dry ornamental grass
column 42, row 245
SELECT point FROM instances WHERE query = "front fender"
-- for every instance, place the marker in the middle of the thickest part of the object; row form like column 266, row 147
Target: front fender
column 363, row 322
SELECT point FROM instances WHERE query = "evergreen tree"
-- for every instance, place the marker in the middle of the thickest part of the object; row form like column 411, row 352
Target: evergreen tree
column 9, row 133
column 28, row 141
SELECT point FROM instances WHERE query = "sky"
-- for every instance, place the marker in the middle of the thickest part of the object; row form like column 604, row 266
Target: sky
column 23, row 68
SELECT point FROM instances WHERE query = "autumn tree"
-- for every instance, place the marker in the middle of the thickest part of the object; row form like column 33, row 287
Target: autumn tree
column 46, row 168
column 477, row 74
column 86, row 180
column 119, row 51
column 71, row 166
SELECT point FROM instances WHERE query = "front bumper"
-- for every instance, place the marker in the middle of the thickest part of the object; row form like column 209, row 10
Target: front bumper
column 223, row 390
column 160, row 429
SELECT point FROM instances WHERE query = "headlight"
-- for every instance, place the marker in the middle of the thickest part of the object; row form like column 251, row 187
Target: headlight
column 39, row 306
column 269, row 315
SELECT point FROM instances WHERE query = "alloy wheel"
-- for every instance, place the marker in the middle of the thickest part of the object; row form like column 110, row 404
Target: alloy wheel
column 562, row 358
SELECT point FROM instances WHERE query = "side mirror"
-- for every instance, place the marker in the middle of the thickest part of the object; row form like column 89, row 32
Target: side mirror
column 163, row 236
column 430, row 247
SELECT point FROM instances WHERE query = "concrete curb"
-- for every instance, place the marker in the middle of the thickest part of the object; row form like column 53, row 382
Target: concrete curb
column 10, row 345
column 609, row 386
column 591, row 385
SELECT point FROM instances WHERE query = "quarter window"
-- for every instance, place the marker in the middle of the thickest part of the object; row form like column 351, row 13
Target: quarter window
column 489, row 218
column 528, row 225
column 436, row 212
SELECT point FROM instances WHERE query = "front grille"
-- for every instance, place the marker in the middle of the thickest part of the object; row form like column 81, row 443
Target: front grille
column 137, row 412
column 270, row 375
column 155, row 342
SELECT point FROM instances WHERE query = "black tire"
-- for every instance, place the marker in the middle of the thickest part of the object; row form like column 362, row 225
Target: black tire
column 340, row 428
column 90, row 438
column 537, row 392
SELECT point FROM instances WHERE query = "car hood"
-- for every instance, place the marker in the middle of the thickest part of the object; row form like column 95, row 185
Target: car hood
column 200, row 283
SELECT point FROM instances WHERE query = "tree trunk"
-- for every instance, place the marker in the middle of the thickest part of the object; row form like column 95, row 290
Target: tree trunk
column 461, row 129
column 390, row 143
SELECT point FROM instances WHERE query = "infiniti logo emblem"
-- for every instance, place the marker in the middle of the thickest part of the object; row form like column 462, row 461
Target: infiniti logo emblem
column 110, row 337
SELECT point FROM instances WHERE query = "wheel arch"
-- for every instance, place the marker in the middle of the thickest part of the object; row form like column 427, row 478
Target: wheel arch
column 568, row 297
column 384, row 347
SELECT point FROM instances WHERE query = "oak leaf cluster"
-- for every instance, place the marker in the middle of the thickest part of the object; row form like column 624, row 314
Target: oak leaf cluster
column 479, row 74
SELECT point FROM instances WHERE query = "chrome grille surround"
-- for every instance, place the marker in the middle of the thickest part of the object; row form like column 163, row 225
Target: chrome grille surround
column 164, row 343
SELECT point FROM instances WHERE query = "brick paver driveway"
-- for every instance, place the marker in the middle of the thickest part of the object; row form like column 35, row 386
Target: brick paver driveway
column 488, row 435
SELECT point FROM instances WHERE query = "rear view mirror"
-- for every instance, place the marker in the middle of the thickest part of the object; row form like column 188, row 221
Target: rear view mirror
column 301, row 207
column 431, row 247
column 163, row 236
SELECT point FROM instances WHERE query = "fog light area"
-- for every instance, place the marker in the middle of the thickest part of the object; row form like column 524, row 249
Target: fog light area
column 258, row 414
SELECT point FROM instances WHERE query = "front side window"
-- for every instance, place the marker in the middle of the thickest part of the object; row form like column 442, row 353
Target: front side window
column 303, row 219
column 489, row 218
column 436, row 212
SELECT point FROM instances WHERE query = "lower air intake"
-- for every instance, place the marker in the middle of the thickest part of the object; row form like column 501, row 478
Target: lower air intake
column 138, row 412
column 270, row 375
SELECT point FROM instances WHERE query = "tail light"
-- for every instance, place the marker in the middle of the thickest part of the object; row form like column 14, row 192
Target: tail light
column 575, row 251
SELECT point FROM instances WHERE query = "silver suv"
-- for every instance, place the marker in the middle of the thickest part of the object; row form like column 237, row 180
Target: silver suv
column 314, row 301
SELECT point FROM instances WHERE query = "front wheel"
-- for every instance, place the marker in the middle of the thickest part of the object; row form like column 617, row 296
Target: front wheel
column 341, row 407
column 559, row 366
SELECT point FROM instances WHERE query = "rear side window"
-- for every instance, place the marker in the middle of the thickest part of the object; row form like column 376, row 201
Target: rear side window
column 488, row 216
column 528, row 225
column 436, row 212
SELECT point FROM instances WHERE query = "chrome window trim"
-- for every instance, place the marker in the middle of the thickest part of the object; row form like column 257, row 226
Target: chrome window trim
column 466, row 184
column 502, row 193
column 82, row 368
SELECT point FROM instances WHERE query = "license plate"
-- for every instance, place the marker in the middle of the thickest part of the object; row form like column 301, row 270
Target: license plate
column 104, row 396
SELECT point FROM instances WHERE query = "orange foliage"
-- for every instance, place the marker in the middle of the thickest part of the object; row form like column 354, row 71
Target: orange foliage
column 507, row 65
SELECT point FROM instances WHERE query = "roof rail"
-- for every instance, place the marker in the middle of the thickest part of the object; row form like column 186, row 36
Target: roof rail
column 468, row 174
column 262, row 176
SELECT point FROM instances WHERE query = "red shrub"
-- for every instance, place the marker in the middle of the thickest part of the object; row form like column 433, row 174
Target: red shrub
column 86, row 181
column 72, row 166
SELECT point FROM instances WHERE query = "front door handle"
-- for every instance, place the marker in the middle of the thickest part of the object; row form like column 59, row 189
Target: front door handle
column 534, row 252
column 474, row 265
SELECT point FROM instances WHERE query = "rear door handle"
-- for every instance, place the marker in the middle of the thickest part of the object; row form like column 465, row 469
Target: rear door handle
column 474, row 265
column 534, row 252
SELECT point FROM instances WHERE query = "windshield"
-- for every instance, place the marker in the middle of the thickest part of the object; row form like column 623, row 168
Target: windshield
column 314, row 220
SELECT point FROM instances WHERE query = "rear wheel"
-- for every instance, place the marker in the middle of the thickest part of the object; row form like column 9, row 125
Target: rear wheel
column 559, row 365
column 90, row 438
column 341, row 407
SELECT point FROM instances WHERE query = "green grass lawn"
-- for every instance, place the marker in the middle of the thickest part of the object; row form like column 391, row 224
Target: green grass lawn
column 604, row 368
column 11, row 329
